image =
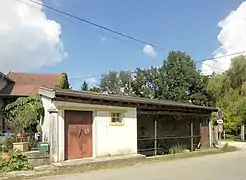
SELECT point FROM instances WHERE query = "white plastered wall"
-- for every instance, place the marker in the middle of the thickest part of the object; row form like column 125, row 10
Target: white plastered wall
column 108, row 139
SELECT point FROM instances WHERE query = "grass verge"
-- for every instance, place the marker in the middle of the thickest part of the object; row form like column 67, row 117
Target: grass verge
column 124, row 163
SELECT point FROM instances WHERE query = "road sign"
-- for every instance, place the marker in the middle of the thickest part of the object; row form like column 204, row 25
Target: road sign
column 219, row 114
column 220, row 121
column 220, row 128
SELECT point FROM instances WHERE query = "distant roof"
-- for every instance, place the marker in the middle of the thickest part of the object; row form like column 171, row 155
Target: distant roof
column 66, row 95
column 6, row 77
column 29, row 83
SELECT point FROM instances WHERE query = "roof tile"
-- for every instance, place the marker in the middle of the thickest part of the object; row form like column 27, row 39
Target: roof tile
column 29, row 83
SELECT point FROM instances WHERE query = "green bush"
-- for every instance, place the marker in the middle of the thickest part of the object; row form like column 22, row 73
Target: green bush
column 231, row 137
column 176, row 149
column 33, row 143
column 16, row 162
column 8, row 143
column 1, row 148
column 228, row 148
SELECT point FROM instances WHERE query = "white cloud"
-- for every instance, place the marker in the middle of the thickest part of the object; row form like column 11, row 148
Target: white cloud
column 28, row 39
column 92, row 81
column 232, row 38
column 103, row 39
column 149, row 50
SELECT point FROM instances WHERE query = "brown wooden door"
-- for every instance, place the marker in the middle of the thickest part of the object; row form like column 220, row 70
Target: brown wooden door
column 204, row 136
column 78, row 134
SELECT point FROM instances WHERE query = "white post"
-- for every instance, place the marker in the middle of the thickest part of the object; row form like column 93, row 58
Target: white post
column 220, row 140
column 210, row 132
column 54, row 131
column 242, row 133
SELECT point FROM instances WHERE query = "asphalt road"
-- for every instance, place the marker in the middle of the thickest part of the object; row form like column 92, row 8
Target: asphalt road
column 227, row 166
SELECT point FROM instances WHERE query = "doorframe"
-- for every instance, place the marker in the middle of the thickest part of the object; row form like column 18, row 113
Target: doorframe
column 65, row 152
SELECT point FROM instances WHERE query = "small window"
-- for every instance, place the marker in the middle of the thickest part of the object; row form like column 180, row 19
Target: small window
column 116, row 117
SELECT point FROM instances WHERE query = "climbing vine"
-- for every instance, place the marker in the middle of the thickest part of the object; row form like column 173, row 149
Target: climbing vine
column 24, row 112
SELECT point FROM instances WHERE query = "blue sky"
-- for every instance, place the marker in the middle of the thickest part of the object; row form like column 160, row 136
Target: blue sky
column 189, row 26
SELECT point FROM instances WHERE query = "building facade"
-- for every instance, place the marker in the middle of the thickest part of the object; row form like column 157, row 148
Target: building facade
column 83, row 125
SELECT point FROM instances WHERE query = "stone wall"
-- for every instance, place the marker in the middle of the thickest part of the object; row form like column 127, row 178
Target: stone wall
column 37, row 158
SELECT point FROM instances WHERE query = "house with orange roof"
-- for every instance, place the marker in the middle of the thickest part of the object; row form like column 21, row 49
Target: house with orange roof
column 18, row 84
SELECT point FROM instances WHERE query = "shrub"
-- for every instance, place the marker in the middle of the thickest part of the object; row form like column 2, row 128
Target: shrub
column 176, row 149
column 16, row 162
column 8, row 143
column 228, row 148
column 33, row 143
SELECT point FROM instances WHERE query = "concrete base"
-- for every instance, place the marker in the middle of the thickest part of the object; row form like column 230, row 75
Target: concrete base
column 37, row 158
column 21, row 146
column 101, row 160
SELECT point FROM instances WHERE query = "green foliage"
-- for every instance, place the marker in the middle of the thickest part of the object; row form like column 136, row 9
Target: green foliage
column 39, row 128
column 148, row 83
column 184, row 83
column 64, row 84
column 8, row 143
column 24, row 112
column 176, row 80
column 176, row 149
column 228, row 148
column 84, row 86
column 16, row 162
column 116, row 82
column 229, row 91
column 231, row 137
column 95, row 89
column 33, row 143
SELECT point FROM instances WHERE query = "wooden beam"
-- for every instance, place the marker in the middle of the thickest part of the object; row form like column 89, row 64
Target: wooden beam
column 172, row 113
column 191, row 134
column 155, row 134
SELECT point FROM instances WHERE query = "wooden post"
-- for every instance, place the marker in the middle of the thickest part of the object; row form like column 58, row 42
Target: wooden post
column 191, row 134
column 155, row 134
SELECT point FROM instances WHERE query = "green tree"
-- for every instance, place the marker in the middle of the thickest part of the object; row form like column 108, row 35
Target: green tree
column 110, row 82
column 84, row 86
column 148, row 83
column 64, row 83
column 176, row 80
column 182, row 82
column 95, row 89
column 229, row 91
column 24, row 112
column 124, row 78
column 116, row 82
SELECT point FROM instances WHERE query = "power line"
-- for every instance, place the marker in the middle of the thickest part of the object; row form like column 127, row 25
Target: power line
column 120, row 34
column 218, row 57
column 96, row 25
column 94, row 76
column 70, row 21
column 213, row 58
